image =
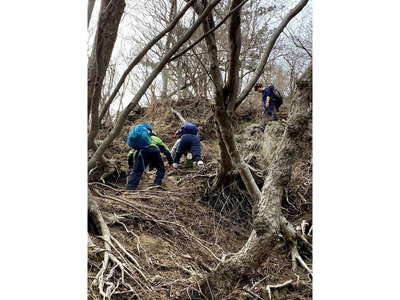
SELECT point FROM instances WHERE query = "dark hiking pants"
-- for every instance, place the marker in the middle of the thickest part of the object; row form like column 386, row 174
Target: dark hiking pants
column 271, row 111
column 188, row 143
column 150, row 155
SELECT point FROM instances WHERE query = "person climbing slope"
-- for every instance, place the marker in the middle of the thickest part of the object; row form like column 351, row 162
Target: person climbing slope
column 271, row 100
column 145, row 152
column 161, row 146
column 188, row 142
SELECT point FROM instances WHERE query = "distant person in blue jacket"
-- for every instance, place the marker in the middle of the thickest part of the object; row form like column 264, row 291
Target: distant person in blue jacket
column 188, row 142
column 271, row 100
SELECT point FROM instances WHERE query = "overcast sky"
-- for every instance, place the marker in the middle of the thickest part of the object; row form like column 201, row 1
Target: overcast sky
column 132, row 25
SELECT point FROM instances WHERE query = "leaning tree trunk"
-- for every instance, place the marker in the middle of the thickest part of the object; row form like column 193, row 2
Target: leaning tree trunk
column 158, row 68
column 267, row 213
column 106, row 35
column 226, row 97
column 140, row 56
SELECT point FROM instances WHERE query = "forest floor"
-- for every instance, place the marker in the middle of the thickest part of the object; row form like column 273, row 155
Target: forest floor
column 176, row 237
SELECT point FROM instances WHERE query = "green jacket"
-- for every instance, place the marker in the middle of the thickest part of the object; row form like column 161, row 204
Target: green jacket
column 156, row 142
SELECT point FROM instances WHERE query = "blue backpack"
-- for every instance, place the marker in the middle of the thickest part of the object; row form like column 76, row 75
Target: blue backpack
column 139, row 136
column 190, row 128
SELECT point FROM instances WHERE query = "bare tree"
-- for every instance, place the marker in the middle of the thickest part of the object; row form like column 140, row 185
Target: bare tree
column 106, row 34
column 268, row 219
column 122, row 117
column 226, row 97
column 266, row 54
column 140, row 56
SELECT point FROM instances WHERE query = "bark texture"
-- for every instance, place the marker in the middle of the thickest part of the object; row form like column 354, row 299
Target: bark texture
column 226, row 94
column 267, row 212
column 106, row 35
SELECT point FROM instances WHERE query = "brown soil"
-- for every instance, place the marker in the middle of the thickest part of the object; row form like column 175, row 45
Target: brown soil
column 177, row 239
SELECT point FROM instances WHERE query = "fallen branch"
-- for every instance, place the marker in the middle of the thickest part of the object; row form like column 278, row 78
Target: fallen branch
column 179, row 115
column 277, row 286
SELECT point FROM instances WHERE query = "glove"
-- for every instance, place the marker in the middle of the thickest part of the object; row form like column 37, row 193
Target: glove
column 175, row 165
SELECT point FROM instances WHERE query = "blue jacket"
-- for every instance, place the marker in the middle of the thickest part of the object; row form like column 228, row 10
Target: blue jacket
column 268, row 92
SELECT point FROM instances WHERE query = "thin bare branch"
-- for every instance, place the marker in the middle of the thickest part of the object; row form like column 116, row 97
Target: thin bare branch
column 139, row 57
column 124, row 114
column 208, row 32
column 271, row 43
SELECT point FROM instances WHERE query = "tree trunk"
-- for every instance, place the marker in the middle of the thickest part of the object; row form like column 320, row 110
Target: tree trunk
column 90, row 10
column 267, row 212
column 225, row 94
column 179, row 84
column 139, row 57
column 121, row 119
column 227, row 164
column 226, row 171
column 106, row 35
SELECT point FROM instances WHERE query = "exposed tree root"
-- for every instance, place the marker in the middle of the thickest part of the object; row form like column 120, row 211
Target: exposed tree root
column 113, row 258
column 228, row 196
column 268, row 223
column 291, row 283
column 301, row 233
column 292, row 237
column 297, row 257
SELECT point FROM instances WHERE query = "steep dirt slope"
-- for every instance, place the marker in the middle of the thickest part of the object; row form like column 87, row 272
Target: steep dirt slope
column 173, row 237
column 170, row 238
